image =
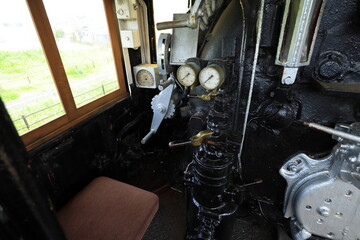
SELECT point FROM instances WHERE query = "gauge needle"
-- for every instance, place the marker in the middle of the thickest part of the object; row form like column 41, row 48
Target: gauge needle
column 209, row 78
column 185, row 77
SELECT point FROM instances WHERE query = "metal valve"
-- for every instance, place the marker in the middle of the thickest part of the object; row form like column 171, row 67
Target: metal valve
column 205, row 97
column 194, row 140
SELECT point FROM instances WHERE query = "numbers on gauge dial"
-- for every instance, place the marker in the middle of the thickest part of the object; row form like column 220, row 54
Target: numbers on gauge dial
column 145, row 78
column 187, row 74
column 211, row 77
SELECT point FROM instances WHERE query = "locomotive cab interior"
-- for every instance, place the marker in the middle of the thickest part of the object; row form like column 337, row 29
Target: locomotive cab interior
column 228, row 120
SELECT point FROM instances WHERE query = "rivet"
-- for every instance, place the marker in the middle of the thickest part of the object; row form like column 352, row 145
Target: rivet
column 320, row 221
column 349, row 193
column 331, row 234
column 339, row 214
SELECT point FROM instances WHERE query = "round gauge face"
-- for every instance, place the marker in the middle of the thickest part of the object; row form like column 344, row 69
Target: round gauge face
column 211, row 77
column 145, row 78
column 187, row 75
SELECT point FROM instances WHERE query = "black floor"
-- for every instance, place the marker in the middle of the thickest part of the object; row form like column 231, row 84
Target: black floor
column 245, row 230
column 170, row 221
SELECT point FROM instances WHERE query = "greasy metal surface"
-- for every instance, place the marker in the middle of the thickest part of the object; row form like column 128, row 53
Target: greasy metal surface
column 222, row 41
column 263, row 160
column 212, row 199
column 169, row 222
column 338, row 47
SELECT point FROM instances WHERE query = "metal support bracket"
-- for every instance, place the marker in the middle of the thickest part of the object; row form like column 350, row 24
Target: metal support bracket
column 163, row 54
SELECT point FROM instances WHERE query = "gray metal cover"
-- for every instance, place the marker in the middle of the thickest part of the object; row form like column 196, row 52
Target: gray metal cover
column 323, row 195
column 184, row 42
column 326, row 208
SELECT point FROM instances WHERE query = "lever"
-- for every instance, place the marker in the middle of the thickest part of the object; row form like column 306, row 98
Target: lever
column 174, row 24
column 190, row 22
column 206, row 97
column 256, row 181
column 162, row 108
column 194, row 140
column 148, row 136
column 332, row 131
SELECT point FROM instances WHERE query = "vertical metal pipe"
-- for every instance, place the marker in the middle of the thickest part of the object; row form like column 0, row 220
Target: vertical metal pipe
column 256, row 56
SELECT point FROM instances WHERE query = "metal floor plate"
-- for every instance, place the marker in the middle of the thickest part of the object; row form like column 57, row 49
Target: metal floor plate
column 170, row 222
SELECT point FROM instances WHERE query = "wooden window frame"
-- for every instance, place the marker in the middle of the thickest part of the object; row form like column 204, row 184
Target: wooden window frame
column 73, row 115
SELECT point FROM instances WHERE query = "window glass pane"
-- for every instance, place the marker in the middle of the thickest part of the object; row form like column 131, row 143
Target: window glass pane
column 26, row 84
column 164, row 10
column 82, row 36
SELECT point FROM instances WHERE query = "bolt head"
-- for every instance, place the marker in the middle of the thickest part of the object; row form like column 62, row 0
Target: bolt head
column 293, row 168
column 288, row 80
column 330, row 70
column 324, row 211
column 121, row 11
column 353, row 159
column 161, row 108
column 304, row 234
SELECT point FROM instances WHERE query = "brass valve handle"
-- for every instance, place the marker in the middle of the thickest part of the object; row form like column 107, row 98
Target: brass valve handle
column 205, row 97
column 194, row 140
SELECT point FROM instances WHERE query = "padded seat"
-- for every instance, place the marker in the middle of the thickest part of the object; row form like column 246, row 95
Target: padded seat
column 107, row 209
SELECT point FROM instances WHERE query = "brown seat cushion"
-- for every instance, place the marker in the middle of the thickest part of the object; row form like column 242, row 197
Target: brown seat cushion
column 107, row 209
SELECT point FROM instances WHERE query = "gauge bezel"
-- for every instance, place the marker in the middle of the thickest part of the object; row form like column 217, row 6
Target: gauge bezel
column 137, row 78
column 196, row 70
column 152, row 69
column 220, row 72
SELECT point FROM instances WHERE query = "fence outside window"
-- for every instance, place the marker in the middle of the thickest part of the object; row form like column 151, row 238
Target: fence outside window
column 85, row 97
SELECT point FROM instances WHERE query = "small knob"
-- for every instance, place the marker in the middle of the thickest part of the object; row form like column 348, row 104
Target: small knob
column 205, row 97
column 194, row 140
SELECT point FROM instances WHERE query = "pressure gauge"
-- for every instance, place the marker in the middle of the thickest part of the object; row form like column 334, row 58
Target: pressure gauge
column 212, row 77
column 146, row 76
column 187, row 74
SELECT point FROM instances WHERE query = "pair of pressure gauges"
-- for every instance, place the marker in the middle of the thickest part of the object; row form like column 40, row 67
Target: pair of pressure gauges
column 210, row 77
